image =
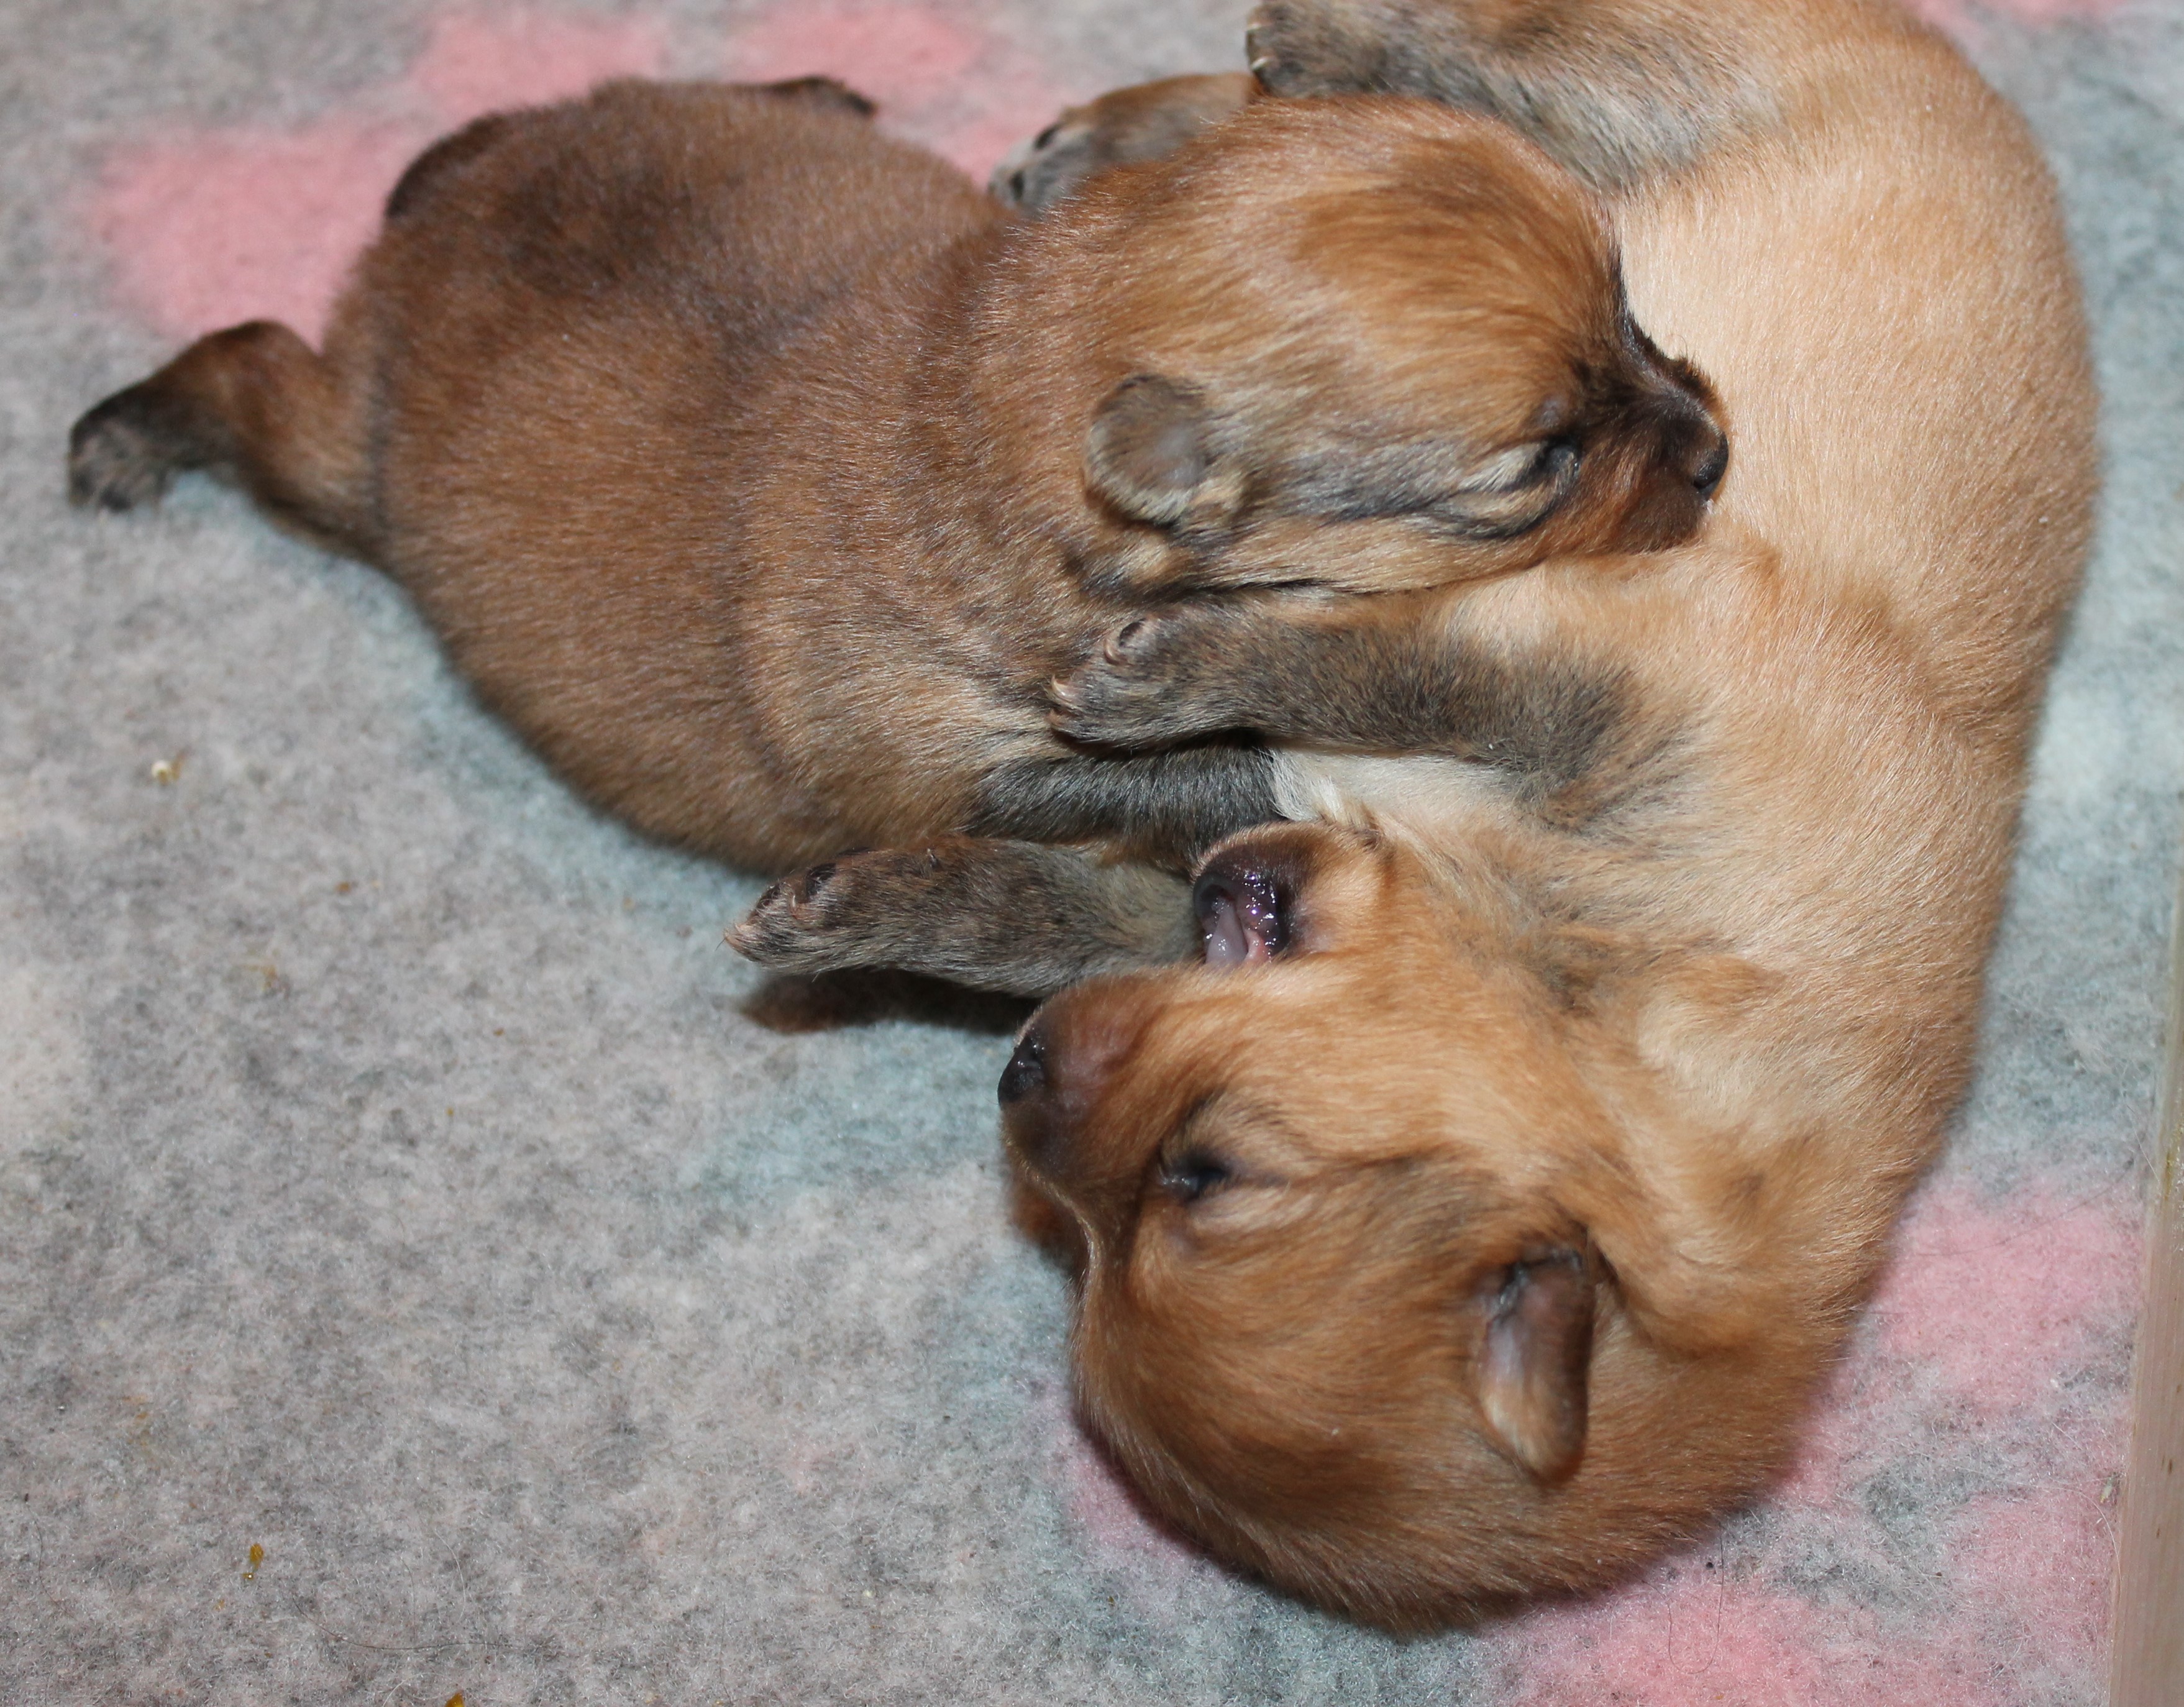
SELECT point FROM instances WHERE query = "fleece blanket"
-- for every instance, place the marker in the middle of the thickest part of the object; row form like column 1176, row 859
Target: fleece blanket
column 431, row 1263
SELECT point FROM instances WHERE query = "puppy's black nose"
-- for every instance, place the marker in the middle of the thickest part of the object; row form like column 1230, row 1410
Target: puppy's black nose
column 1025, row 1072
column 1710, row 463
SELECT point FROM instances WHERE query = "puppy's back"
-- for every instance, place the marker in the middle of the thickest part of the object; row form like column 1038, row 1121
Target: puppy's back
column 1883, row 296
column 575, row 324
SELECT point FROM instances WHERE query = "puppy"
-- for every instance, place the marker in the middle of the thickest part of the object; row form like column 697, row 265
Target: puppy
column 1476, row 1217
column 762, row 471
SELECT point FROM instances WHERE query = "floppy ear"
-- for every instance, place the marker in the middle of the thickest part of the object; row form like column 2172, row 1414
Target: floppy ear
column 1535, row 1358
column 1151, row 455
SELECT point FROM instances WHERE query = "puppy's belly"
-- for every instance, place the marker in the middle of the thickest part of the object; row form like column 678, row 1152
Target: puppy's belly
column 1434, row 797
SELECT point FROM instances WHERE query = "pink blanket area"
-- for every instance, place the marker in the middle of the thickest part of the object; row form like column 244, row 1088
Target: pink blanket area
column 211, row 226
column 1947, row 1536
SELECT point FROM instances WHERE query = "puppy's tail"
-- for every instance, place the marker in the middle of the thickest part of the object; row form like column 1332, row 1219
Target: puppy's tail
column 254, row 405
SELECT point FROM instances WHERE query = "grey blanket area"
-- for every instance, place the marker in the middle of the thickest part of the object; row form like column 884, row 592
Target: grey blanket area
column 429, row 1261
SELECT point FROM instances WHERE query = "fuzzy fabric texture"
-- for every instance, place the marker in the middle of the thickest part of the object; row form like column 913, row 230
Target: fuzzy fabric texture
column 430, row 1262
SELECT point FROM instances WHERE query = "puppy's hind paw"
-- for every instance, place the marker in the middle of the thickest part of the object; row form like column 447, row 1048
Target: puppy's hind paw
column 120, row 454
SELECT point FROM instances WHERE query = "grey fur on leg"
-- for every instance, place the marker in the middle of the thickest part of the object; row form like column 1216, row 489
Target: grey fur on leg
column 1570, row 733
column 1013, row 916
column 1616, row 91
column 1165, row 807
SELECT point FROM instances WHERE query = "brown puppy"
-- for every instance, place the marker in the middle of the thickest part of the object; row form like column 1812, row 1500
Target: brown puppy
column 762, row 471
column 1476, row 1220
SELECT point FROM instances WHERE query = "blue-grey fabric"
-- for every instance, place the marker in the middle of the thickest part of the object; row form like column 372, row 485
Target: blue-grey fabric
column 399, row 1176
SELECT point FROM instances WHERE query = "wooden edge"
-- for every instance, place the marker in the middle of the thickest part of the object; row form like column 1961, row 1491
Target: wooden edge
column 2146, row 1666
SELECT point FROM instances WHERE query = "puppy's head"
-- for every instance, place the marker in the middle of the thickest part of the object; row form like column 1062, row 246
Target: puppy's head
column 1371, row 1304
column 1377, row 343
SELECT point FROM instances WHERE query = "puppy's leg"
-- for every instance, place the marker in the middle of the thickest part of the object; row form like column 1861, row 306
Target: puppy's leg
column 1617, row 90
column 254, row 405
column 1390, row 674
column 1165, row 808
column 1011, row 906
column 994, row 915
column 1145, row 122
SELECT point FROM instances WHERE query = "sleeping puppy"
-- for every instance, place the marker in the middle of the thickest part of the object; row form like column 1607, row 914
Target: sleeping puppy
column 1475, row 1219
column 762, row 471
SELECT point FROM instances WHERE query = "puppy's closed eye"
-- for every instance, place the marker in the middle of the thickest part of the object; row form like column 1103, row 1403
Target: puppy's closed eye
column 1191, row 1171
column 1495, row 496
column 1517, row 489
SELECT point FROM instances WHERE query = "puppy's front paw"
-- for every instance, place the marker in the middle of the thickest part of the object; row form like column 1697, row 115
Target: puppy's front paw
column 1313, row 47
column 1156, row 681
column 1144, row 123
column 1036, row 174
column 121, row 453
column 808, row 921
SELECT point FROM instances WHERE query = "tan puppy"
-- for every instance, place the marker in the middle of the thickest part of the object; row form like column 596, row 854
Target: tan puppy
column 1478, row 1217
column 762, row 471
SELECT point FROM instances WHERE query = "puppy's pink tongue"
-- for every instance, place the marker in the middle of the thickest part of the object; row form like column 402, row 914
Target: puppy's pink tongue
column 1227, row 942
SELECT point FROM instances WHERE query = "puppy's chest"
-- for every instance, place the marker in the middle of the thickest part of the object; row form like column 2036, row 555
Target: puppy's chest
column 1436, row 799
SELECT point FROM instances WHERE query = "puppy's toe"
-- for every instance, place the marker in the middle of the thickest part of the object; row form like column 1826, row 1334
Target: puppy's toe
column 118, row 458
column 1094, row 718
column 1313, row 49
column 813, row 920
column 1258, row 45
column 1267, row 39
column 1038, row 173
column 779, row 928
column 1125, row 645
column 1106, row 702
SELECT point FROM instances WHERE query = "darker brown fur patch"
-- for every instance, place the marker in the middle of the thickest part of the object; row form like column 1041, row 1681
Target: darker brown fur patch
column 446, row 156
column 823, row 92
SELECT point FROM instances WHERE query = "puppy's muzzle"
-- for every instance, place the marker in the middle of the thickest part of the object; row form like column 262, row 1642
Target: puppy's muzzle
column 1693, row 444
column 1685, row 458
column 1051, row 1091
column 1032, row 1121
